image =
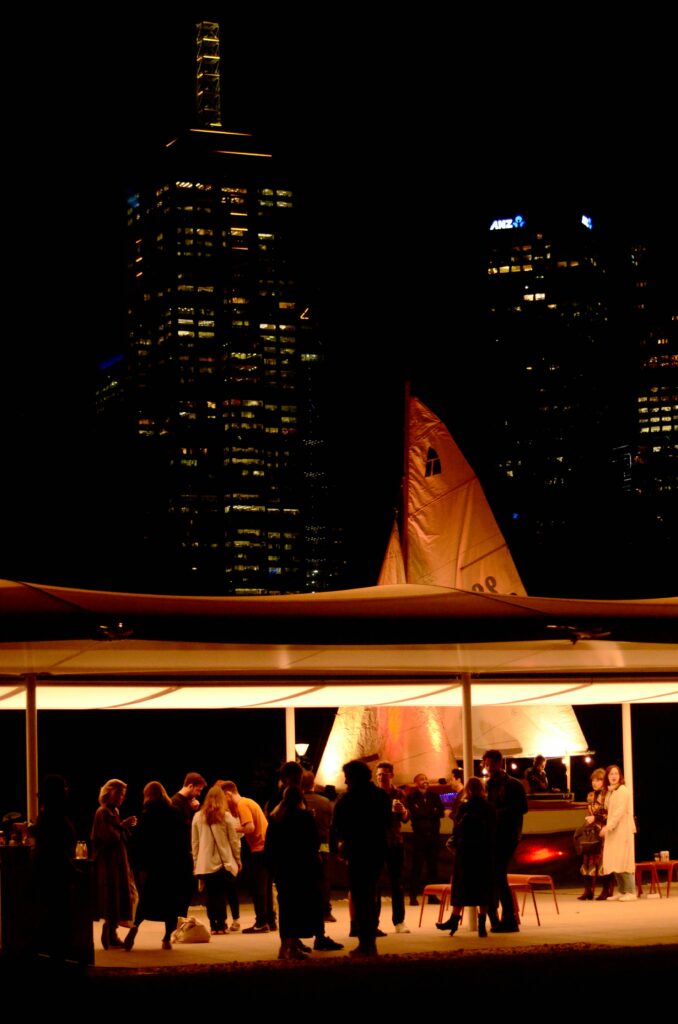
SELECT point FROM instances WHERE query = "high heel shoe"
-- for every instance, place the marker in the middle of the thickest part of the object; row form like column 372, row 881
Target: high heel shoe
column 450, row 925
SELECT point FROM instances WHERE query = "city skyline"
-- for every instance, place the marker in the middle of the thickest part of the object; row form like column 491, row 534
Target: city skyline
column 418, row 197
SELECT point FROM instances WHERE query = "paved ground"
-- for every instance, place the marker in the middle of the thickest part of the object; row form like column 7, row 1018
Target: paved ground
column 586, row 943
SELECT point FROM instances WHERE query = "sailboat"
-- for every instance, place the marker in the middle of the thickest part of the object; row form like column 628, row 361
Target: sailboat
column 451, row 539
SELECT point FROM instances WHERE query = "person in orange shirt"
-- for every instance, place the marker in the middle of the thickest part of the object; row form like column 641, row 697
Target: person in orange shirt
column 253, row 826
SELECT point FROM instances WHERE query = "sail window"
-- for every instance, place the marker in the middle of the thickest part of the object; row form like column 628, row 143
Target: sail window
column 433, row 467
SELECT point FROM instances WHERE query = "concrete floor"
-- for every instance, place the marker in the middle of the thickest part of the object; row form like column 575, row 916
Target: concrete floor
column 646, row 922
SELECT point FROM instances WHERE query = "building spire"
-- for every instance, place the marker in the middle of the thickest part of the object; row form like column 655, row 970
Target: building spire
column 207, row 82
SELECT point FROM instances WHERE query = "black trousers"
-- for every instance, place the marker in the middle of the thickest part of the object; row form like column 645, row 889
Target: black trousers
column 395, row 859
column 424, row 861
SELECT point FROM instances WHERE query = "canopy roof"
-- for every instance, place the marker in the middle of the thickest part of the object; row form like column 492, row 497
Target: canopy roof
column 395, row 645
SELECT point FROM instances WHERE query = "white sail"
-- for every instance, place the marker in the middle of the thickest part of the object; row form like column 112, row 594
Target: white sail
column 393, row 566
column 453, row 540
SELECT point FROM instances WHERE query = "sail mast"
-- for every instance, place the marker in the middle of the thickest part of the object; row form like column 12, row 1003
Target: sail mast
column 405, row 498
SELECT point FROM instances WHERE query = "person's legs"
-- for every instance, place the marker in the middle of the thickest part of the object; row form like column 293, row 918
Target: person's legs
column 363, row 876
column 418, row 857
column 215, row 889
column 394, row 861
column 508, row 916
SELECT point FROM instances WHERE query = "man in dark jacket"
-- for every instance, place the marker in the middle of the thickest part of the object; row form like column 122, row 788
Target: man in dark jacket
column 507, row 796
column 362, row 818
column 426, row 809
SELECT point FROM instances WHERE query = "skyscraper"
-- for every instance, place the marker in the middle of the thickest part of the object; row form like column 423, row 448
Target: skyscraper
column 205, row 398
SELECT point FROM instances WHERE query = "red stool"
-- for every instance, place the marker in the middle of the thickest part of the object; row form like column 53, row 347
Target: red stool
column 443, row 894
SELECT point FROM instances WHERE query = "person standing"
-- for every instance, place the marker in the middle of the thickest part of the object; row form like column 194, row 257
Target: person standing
column 216, row 855
column 617, row 833
column 591, row 864
column 474, row 875
column 160, row 861
column 507, row 796
column 187, row 802
column 361, row 822
column 253, row 826
column 395, row 853
column 321, row 809
column 426, row 810
column 115, row 889
column 291, row 852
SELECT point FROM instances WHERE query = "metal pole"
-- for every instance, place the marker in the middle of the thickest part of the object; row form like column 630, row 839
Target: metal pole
column 467, row 733
column 627, row 746
column 31, row 750
column 290, row 735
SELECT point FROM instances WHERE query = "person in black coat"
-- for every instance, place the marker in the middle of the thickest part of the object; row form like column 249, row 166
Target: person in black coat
column 362, row 819
column 507, row 796
column 473, row 840
column 293, row 859
column 160, row 860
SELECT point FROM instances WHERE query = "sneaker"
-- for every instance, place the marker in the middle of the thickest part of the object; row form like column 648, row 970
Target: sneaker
column 627, row 897
column 324, row 944
column 235, row 926
column 256, row 929
column 610, row 898
column 402, row 929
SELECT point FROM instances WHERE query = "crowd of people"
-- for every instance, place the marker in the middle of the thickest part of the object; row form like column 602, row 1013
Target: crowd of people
column 180, row 851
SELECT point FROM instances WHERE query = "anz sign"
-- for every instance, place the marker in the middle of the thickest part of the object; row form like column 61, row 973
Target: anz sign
column 510, row 222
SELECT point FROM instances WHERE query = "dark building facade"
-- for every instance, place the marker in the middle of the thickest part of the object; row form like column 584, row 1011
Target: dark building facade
column 576, row 392
column 210, row 398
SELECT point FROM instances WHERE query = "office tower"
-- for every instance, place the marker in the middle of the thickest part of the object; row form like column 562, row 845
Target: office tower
column 206, row 396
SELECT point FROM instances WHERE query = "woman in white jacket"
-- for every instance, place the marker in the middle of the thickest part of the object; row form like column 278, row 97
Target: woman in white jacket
column 618, row 832
column 216, row 856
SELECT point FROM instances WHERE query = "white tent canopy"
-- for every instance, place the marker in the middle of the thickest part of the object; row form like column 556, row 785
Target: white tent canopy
column 396, row 645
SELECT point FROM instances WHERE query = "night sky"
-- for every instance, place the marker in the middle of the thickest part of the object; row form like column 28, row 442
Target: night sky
column 402, row 137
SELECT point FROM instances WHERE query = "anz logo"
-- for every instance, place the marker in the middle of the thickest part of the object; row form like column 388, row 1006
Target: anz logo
column 510, row 222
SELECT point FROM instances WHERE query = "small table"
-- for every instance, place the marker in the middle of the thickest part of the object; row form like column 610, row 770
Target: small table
column 654, row 866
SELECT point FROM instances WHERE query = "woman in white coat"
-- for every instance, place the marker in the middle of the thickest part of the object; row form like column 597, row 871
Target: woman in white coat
column 216, row 856
column 618, row 832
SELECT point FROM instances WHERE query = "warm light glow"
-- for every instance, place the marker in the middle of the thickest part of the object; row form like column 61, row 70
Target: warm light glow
column 301, row 749
column 236, row 152
column 214, row 131
column 541, row 854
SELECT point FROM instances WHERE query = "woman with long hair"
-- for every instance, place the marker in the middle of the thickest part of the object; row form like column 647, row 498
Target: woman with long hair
column 591, row 865
column 216, row 855
column 473, row 839
column 293, row 858
column 114, row 884
column 160, row 860
column 617, row 832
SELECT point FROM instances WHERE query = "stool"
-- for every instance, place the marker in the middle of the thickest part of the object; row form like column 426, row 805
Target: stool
column 651, row 866
column 526, row 883
column 443, row 894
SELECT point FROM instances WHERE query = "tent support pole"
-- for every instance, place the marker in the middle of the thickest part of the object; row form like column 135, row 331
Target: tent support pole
column 290, row 736
column 627, row 747
column 467, row 731
column 31, row 750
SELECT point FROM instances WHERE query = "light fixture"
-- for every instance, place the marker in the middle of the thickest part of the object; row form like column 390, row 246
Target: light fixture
column 300, row 749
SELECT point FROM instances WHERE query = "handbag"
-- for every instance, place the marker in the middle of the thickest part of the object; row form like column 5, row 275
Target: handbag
column 189, row 929
column 587, row 840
